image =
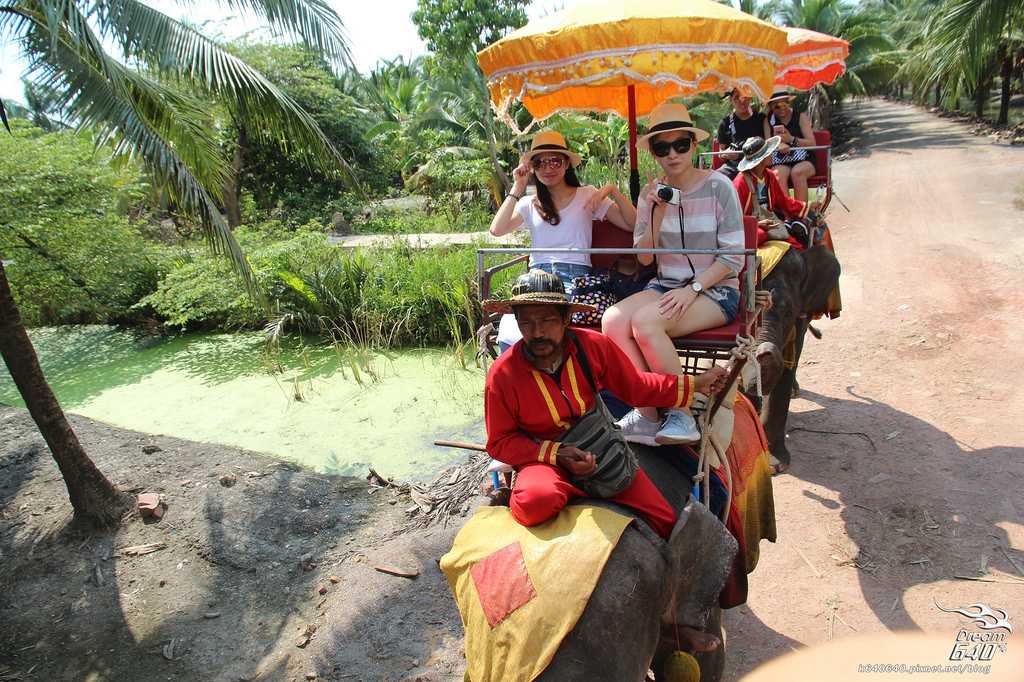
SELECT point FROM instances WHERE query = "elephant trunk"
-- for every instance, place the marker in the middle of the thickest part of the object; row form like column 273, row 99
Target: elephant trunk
column 771, row 339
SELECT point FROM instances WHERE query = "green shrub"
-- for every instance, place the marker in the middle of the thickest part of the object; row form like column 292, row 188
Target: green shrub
column 389, row 296
column 76, row 257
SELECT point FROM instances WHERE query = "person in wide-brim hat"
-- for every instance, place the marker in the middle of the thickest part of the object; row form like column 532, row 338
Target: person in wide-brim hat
column 779, row 96
column 669, row 116
column 757, row 149
column 548, row 141
column 536, row 288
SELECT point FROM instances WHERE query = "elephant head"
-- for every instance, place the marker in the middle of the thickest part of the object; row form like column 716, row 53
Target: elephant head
column 648, row 583
column 800, row 284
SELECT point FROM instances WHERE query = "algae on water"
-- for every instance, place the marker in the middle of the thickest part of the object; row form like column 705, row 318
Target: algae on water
column 303, row 403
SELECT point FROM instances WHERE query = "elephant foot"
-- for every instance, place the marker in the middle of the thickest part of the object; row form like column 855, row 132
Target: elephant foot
column 690, row 639
column 781, row 463
column 698, row 641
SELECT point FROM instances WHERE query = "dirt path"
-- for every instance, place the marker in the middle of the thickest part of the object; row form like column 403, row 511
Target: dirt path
column 922, row 368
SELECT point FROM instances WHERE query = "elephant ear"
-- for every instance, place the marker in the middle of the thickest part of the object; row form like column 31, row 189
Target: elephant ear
column 821, row 275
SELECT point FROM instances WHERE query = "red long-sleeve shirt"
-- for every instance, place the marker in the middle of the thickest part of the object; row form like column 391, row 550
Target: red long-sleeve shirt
column 526, row 410
column 779, row 200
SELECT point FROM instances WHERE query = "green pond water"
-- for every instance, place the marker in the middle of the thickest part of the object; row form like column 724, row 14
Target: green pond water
column 303, row 404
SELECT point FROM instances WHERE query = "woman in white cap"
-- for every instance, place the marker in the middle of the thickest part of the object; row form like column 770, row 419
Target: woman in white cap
column 689, row 208
column 791, row 163
column 561, row 214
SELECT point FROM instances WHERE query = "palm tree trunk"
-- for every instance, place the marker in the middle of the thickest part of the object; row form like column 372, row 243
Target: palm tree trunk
column 234, row 183
column 981, row 96
column 492, row 149
column 96, row 501
column 1006, row 76
column 938, row 95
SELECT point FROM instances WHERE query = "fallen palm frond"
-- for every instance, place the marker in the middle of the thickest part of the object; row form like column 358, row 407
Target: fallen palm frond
column 447, row 496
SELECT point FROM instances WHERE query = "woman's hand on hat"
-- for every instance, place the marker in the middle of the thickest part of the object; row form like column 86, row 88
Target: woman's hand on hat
column 521, row 174
column 674, row 303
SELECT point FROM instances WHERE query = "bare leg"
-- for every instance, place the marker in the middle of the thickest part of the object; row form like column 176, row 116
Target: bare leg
column 801, row 173
column 616, row 323
column 654, row 333
column 782, row 172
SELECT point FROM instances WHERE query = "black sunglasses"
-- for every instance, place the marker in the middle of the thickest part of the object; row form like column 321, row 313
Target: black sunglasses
column 550, row 162
column 682, row 145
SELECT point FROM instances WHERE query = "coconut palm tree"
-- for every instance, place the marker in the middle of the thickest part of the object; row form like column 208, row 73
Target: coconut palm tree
column 151, row 103
column 978, row 39
column 871, row 63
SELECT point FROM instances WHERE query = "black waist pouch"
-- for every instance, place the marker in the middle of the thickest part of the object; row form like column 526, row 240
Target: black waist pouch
column 595, row 432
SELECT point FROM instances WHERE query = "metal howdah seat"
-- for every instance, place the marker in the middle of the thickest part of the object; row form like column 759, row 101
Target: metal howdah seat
column 822, row 163
column 609, row 242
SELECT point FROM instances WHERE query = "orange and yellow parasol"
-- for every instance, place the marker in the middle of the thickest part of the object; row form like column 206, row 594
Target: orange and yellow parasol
column 811, row 58
column 626, row 57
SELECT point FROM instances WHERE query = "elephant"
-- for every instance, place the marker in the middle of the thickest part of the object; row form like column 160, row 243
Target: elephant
column 621, row 634
column 800, row 285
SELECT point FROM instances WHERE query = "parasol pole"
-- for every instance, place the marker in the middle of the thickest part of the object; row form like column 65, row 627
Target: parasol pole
column 634, row 173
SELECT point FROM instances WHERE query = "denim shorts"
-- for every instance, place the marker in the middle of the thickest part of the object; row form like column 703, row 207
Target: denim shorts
column 566, row 272
column 727, row 298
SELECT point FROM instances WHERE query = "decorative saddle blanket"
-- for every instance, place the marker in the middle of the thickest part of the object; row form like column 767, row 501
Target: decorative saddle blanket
column 521, row 590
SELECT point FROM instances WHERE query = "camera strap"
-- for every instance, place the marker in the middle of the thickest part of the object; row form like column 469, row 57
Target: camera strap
column 682, row 237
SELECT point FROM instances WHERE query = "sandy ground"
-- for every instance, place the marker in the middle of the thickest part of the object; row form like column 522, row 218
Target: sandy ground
column 920, row 373
column 907, row 472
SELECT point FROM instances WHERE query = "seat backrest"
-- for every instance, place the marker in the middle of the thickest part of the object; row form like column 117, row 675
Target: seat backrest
column 822, row 138
column 607, row 236
column 716, row 161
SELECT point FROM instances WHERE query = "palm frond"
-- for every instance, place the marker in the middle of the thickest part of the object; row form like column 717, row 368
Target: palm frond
column 175, row 50
column 139, row 119
column 314, row 22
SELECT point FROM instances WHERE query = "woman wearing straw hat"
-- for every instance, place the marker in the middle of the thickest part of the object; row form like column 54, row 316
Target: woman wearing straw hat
column 562, row 213
column 560, row 216
column 694, row 209
column 790, row 163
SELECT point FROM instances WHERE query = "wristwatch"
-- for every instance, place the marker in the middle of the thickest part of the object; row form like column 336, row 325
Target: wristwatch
column 697, row 286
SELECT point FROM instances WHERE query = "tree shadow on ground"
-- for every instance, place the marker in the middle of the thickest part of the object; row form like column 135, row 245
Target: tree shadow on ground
column 886, row 128
column 917, row 505
column 225, row 600
column 906, row 491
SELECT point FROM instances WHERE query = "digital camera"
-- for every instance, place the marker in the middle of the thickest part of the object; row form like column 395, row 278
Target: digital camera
column 669, row 194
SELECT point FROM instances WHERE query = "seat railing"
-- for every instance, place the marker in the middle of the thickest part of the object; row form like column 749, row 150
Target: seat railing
column 485, row 274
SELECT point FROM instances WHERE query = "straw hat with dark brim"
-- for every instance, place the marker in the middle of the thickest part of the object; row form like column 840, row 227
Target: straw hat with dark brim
column 536, row 288
column 669, row 116
column 778, row 97
column 548, row 141
column 757, row 149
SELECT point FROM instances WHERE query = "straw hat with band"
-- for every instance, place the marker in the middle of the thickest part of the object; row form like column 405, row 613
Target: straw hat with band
column 669, row 116
column 536, row 288
column 548, row 141
column 779, row 96
column 757, row 149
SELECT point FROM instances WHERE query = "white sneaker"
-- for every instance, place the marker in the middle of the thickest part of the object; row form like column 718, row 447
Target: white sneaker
column 637, row 428
column 680, row 428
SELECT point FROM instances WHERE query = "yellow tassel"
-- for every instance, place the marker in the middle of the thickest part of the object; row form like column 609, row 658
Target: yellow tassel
column 681, row 667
